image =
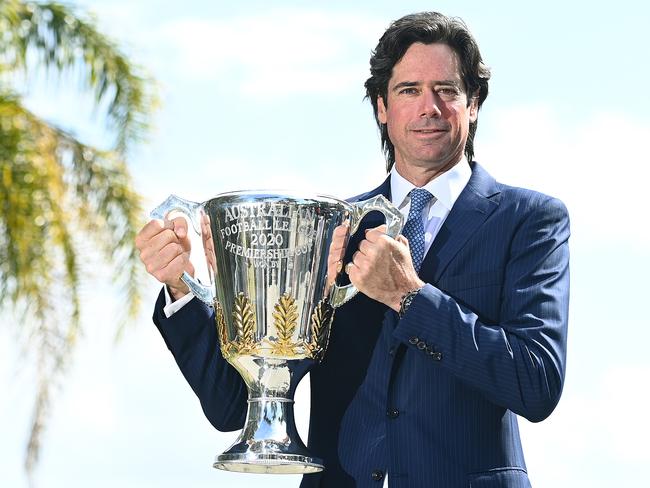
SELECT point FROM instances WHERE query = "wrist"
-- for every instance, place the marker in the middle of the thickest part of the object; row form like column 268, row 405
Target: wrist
column 407, row 298
column 177, row 292
column 396, row 302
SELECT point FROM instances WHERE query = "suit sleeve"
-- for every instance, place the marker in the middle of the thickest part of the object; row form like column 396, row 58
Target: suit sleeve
column 190, row 334
column 519, row 362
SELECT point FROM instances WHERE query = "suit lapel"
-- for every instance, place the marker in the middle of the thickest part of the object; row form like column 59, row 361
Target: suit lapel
column 474, row 205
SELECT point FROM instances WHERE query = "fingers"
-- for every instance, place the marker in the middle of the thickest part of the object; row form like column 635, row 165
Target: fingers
column 375, row 238
column 155, row 246
column 155, row 227
column 337, row 248
column 344, row 228
column 167, row 255
column 367, row 247
column 151, row 229
column 164, row 249
column 360, row 261
column 340, row 236
column 377, row 233
column 375, row 249
column 157, row 259
column 171, row 271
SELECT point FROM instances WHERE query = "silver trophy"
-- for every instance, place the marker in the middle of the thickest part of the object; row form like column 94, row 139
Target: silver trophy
column 267, row 257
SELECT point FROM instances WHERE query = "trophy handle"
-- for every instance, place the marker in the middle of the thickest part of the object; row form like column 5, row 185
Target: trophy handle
column 394, row 222
column 192, row 211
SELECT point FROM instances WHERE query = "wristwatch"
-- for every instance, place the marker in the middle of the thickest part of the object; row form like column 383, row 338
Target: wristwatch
column 406, row 300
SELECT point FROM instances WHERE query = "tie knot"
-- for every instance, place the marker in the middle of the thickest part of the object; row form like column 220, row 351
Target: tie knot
column 419, row 199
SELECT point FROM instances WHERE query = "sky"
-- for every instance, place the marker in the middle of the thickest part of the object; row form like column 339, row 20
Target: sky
column 270, row 95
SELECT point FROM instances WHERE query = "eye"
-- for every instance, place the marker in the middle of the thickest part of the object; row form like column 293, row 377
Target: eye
column 448, row 93
column 408, row 91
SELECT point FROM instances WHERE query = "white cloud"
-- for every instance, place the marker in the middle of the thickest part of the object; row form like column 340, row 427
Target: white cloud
column 599, row 168
column 336, row 177
column 276, row 52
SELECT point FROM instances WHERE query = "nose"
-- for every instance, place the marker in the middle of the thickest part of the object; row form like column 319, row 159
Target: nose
column 430, row 105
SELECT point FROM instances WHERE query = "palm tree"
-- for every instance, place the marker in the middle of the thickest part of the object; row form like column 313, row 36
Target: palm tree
column 59, row 195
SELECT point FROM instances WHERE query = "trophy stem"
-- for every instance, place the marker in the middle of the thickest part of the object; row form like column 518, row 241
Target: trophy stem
column 269, row 442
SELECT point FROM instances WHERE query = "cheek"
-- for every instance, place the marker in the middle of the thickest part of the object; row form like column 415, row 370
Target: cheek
column 459, row 118
column 399, row 116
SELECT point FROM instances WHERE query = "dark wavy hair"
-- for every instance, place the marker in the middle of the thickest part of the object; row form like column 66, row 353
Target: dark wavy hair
column 427, row 28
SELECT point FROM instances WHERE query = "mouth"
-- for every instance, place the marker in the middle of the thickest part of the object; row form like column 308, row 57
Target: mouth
column 431, row 131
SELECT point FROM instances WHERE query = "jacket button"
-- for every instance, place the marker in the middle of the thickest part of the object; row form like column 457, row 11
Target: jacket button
column 413, row 340
column 377, row 475
column 392, row 413
column 436, row 356
column 422, row 345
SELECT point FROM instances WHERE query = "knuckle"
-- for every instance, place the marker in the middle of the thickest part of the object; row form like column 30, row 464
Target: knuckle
column 169, row 235
column 167, row 247
column 159, row 276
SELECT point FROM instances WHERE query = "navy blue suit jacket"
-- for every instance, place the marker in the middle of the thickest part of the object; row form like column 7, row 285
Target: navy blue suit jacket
column 431, row 398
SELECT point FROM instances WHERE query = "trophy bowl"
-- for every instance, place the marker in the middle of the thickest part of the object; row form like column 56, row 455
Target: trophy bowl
column 267, row 257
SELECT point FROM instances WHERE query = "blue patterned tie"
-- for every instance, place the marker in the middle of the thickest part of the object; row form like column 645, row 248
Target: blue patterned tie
column 414, row 228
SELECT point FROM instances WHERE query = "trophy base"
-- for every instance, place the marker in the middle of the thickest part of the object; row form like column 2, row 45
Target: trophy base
column 269, row 442
column 268, row 463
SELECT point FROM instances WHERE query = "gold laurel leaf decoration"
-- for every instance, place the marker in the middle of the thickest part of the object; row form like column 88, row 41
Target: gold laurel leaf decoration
column 245, row 324
column 286, row 320
column 321, row 320
column 224, row 342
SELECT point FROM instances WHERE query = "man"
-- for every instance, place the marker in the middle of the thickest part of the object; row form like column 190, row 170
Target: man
column 459, row 327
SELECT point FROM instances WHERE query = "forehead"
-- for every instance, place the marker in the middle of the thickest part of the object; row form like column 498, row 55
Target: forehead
column 426, row 63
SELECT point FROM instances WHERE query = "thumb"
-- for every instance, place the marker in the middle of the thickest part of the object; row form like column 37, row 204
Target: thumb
column 180, row 227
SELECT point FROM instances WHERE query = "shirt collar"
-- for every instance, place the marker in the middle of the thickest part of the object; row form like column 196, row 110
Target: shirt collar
column 446, row 187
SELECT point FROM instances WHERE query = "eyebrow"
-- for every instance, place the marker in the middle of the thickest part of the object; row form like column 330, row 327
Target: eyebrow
column 408, row 84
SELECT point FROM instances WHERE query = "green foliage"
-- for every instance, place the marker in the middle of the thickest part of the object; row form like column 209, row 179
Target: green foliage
column 59, row 40
column 59, row 196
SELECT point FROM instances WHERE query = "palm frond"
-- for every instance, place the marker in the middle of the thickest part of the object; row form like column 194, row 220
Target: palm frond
column 58, row 38
column 60, row 197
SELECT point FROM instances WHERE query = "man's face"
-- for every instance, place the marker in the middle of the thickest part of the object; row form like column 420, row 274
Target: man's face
column 426, row 111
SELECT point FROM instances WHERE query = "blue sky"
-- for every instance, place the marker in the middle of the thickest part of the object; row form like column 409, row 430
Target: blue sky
column 269, row 95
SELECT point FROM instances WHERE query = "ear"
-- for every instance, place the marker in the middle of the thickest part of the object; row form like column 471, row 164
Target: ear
column 381, row 110
column 473, row 107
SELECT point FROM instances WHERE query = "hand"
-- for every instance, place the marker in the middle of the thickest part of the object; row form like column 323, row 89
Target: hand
column 382, row 268
column 165, row 251
column 337, row 253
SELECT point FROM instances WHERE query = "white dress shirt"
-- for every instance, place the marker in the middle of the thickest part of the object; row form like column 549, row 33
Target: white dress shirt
column 446, row 189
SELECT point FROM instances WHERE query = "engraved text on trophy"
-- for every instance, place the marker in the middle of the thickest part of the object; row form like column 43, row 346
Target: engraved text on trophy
column 263, row 232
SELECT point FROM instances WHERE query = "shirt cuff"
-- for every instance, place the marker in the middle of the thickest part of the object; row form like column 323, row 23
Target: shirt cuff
column 171, row 307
